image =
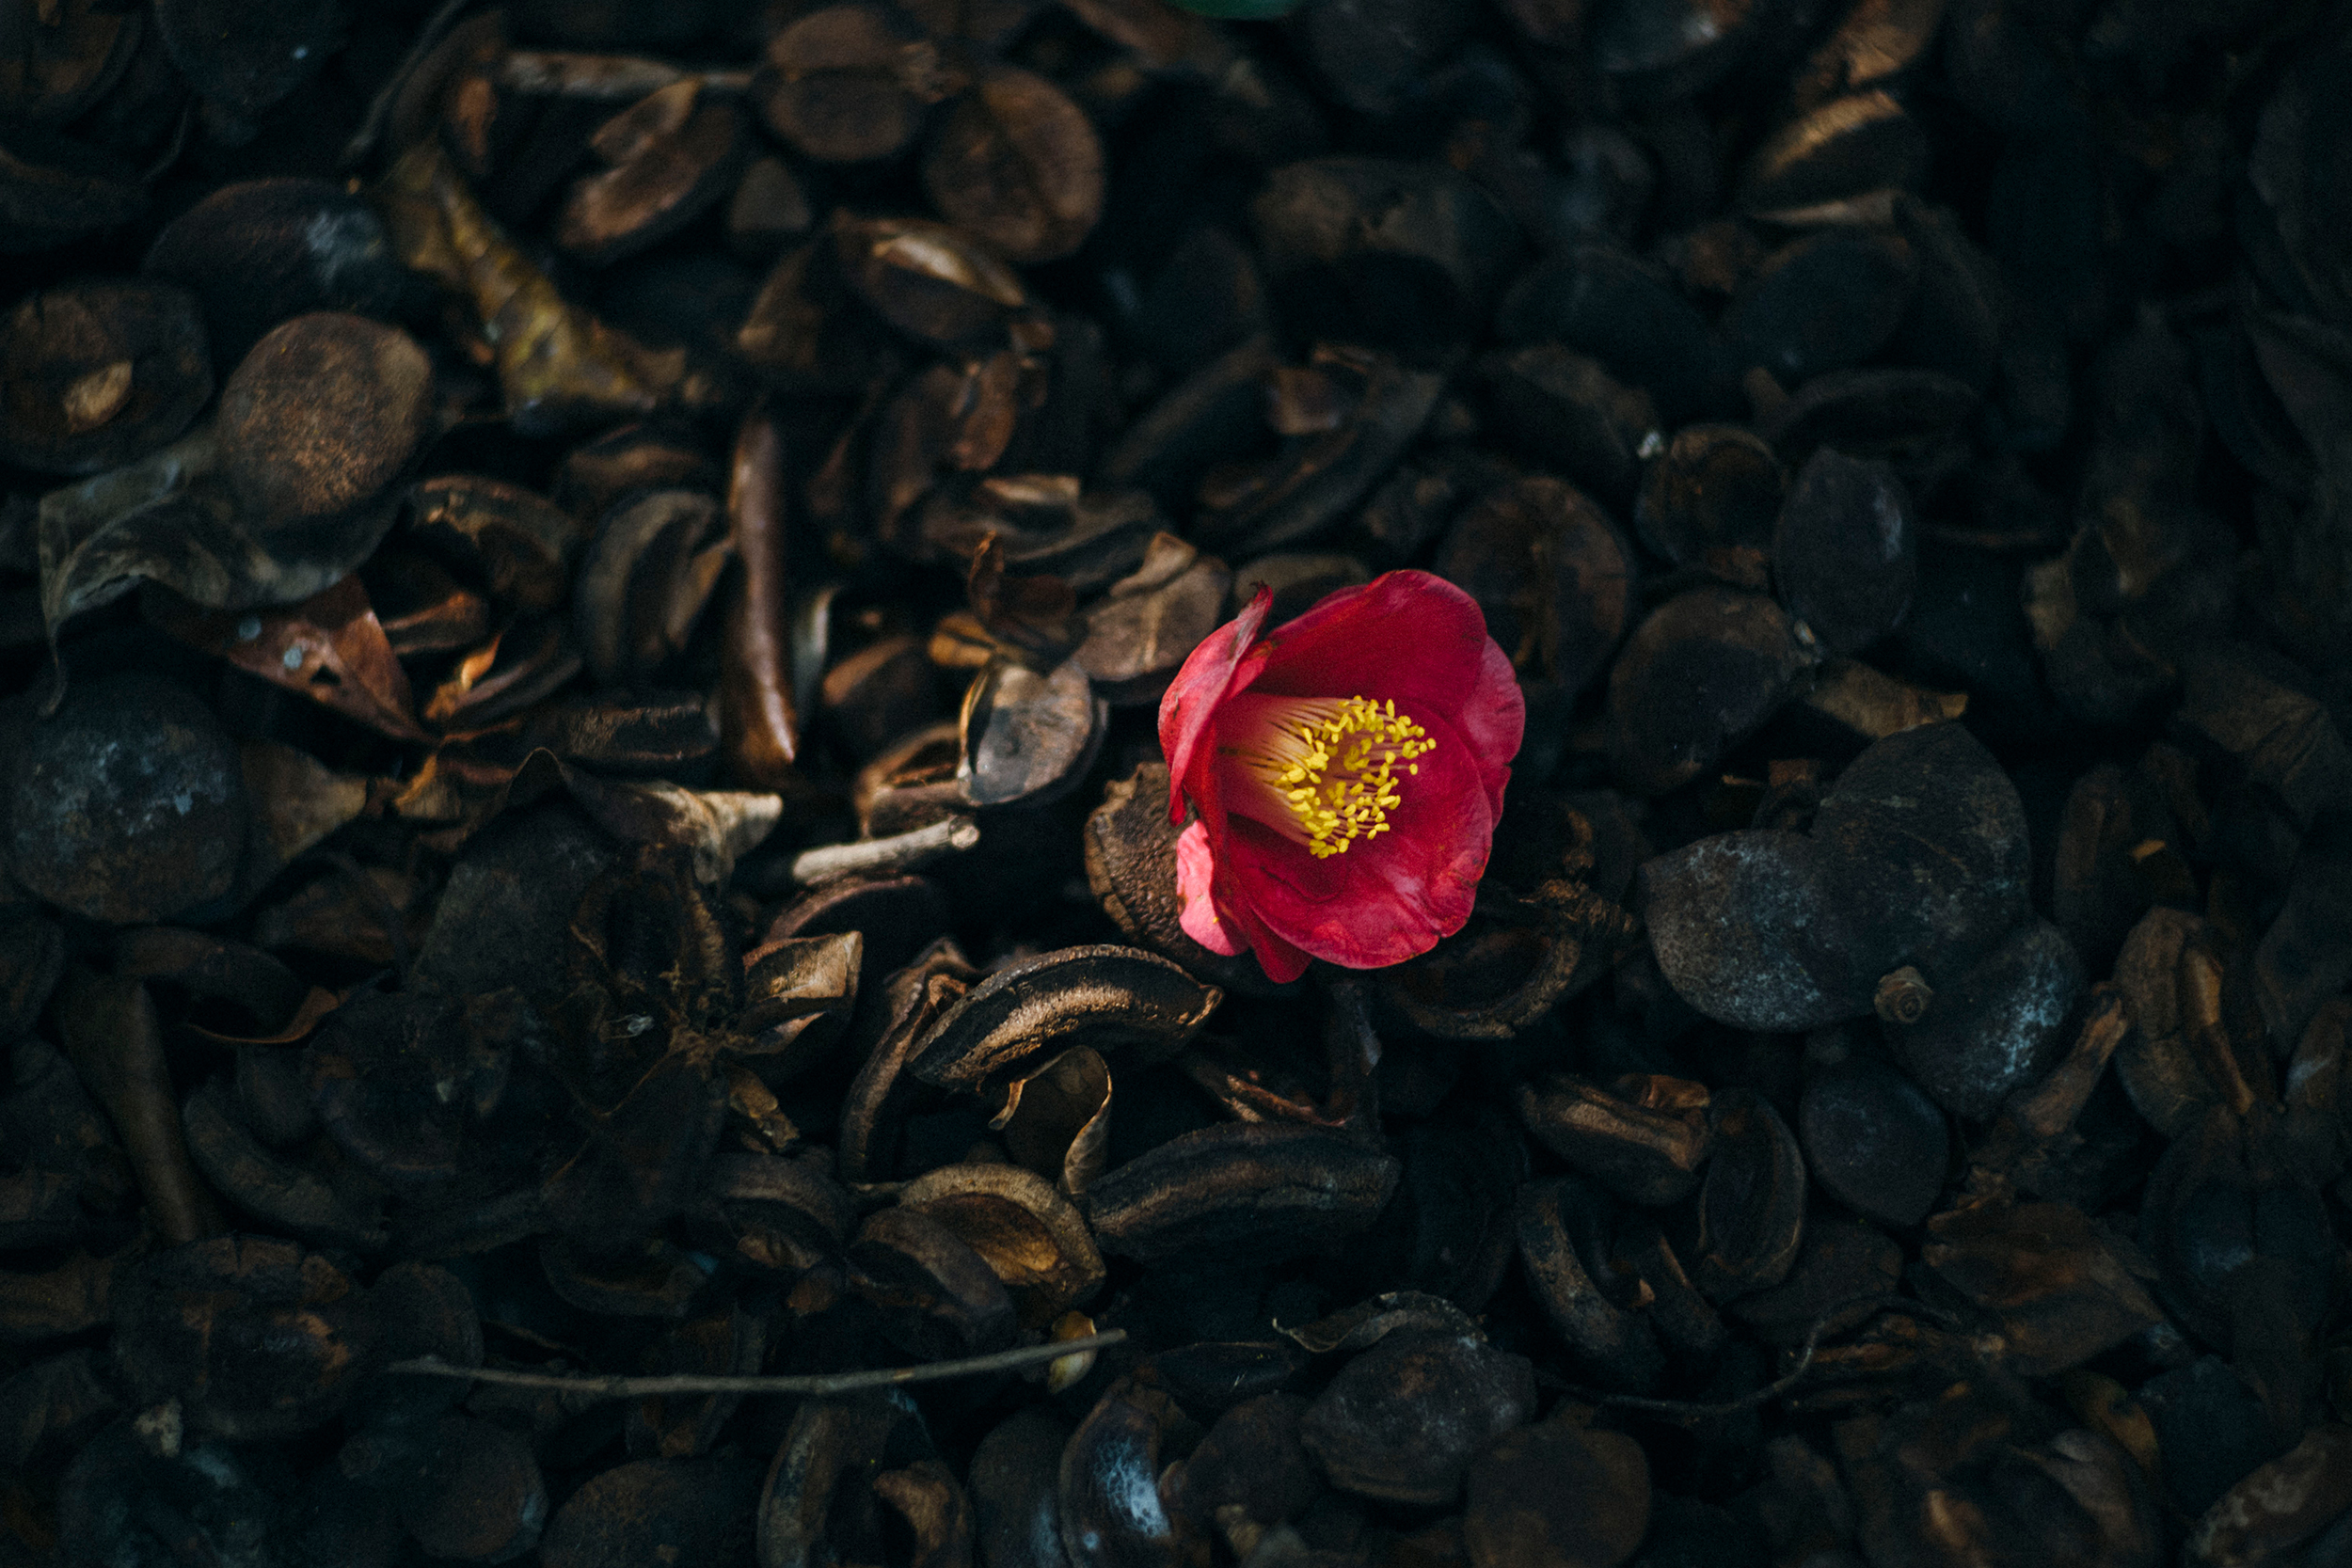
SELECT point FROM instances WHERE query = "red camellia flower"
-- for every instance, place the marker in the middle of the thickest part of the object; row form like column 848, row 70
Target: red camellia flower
column 1346, row 773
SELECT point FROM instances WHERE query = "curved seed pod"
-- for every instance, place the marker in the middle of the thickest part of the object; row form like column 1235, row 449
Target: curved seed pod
column 670, row 156
column 1601, row 301
column 757, row 728
column 1826, row 302
column 1715, row 488
column 849, row 83
column 1029, row 737
column 1557, row 1492
column 2158, row 1063
column 2061, row 1292
column 785, row 1213
column 1612, row 1345
column 1326, row 467
column 911, row 1000
column 1415, row 252
column 934, row 1510
column 818, row 1487
column 1863, row 141
column 1554, row 577
column 1645, row 1143
column 1842, row 1274
column 1897, row 415
column 643, row 582
column 650, row 1280
column 98, row 373
column 1016, row 1488
column 1403, row 1421
column 115, row 1043
column 1058, row 1122
column 648, row 1511
column 1101, row 997
column 1139, row 633
column 1024, row 1230
column 254, row 1338
column 1018, row 165
column 1687, row 1324
column 265, row 1184
column 930, row 280
column 1564, row 409
column 1700, row 675
column 798, row 993
column 1751, row 1209
column 1111, row 1512
column 520, row 545
column 1264, row 1189
column 481, row 1498
column 76, row 56
column 938, row 1297
column 2282, row 1504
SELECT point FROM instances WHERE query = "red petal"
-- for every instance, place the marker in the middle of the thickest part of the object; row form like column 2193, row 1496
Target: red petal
column 1195, row 908
column 1225, row 663
column 1278, row 959
column 1419, row 640
column 1389, row 899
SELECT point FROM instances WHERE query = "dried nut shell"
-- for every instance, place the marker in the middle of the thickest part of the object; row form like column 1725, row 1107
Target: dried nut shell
column 1100, row 997
column 1265, row 1190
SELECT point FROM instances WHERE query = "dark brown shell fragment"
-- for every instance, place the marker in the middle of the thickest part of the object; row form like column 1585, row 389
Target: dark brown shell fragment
column 97, row 374
column 1557, row 1494
column 320, row 417
column 1267, row 1189
column 126, row 804
column 1404, row 1421
column 1874, row 1141
column 255, row 1338
column 1101, row 997
column 1750, row 1218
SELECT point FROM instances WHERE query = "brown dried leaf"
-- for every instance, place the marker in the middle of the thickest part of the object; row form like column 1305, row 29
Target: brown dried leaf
column 329, row 648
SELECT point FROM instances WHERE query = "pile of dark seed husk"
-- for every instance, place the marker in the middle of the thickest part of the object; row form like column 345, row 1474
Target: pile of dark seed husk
column 584, row 586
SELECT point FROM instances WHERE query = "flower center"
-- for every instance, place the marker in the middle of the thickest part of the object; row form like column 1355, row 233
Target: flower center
column 1327, row 769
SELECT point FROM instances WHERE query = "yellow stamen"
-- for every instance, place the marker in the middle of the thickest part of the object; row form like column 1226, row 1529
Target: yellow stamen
column 1330, row 767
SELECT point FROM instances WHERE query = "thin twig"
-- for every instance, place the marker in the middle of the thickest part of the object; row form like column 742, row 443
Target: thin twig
column 590, row 1387
column 1786, row 1383
column 899, row 852
column 608, row 78
column 1688, row 1410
